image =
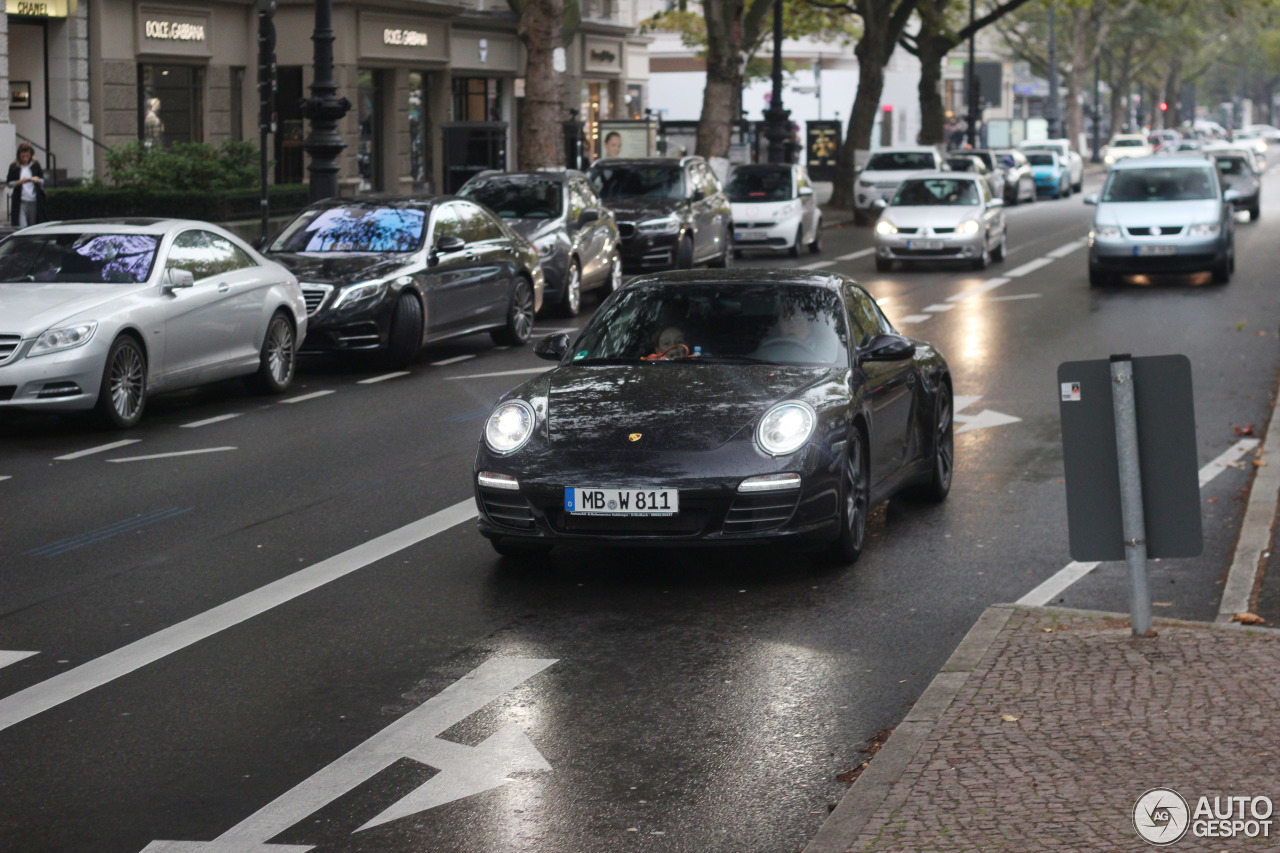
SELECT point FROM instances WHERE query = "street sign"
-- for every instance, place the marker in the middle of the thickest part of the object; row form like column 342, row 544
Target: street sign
column 464, row 770
column 1166, row 432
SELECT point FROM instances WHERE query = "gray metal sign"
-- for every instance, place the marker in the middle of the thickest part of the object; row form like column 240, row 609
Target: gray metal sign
column 1166, row 431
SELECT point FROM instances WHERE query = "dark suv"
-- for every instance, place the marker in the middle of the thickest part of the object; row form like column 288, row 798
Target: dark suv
column 672, row 212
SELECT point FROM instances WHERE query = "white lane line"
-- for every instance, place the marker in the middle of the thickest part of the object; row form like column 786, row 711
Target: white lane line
column 977, row 290
column 1028, row 267
column 171, row 455
column 75, row 682
column 938, row 309
column 383, row 378
column 1066, row 249
column 310, row 396
column 208, row 421
column 1013, row 297
column 1072, row 572
column 817, row 265
column 502, row 373
column 914, row 318
column 100, row 449
column 6, row 477
column 853, row 256
column 7, row 658
column 1255, row 530
column 454, row 360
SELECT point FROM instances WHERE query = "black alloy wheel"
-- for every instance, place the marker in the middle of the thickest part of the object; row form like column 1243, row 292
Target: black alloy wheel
column 123, row 393
column 406, row 331
column 855, row 499
column 519, row 316
column 278, row 357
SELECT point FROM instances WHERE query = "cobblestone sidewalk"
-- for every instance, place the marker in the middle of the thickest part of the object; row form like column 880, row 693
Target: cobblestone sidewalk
column 1047, row 725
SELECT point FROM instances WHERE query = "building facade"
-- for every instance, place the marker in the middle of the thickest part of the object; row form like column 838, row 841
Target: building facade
column 435, row 87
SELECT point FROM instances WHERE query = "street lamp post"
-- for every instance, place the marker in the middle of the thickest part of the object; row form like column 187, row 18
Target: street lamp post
column 324, row 109
column 1051, row 108
column 777, row 120
column 971, row 87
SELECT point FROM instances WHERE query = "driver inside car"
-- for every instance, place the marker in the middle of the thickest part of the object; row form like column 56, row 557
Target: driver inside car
column 669, row 344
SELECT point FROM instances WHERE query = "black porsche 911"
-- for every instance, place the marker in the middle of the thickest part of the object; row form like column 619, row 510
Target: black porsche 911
column 718, row 407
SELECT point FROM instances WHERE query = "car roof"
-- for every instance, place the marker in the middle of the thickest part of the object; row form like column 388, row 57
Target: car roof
column 1171, row 161
column 814, row 278
column 934, row 174
column 382, row 200
column 547, row 173
column 118, row 225
column 889, row 149
column 642, row 161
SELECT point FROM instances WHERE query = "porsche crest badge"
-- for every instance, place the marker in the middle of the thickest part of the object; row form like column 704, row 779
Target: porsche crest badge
column 635, row 436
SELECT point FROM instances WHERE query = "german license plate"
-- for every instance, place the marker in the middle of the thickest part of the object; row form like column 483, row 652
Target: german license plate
column 924, row 244
column 752, row 235
column 621, row 501
column 1155, row 250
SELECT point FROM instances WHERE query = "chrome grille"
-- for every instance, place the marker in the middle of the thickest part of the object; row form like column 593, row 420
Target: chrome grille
column 8, row 346
column 315, row 295
column 761, row 511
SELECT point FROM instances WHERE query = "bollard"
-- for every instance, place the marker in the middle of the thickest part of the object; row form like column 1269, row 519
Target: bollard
column 1135, row 531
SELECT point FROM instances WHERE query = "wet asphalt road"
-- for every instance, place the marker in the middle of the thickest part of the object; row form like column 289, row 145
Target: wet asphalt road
column 699, row 701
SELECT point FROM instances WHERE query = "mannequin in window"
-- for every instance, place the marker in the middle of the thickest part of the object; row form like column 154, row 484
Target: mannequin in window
column 152, row 126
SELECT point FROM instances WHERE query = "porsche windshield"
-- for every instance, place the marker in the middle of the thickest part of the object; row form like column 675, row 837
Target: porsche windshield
column 357, row 228
column 766, row 323
column 80, row 258
column 517, row 198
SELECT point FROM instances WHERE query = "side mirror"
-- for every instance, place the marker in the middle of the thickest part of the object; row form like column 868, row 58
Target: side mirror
column 995, row 202
column 805, row 192
column 1231, row 196
column 178, row 279
column 879, row 204
column 887, row 348
column 552, row 347
column 589, row 214
column 450, row 244
column 1090, row 199
column 699, row 195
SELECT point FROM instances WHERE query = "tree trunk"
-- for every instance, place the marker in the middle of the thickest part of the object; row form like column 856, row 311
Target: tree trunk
column 541, row 131
column 724, row 57
column 872, row 57
column 932, row 51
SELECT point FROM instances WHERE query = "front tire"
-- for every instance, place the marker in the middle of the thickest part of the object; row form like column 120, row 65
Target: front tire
column 1003, row 248
column 614, row 281
column 1098, row 278
column 944, row 448
column 684, row 253
column 123, row 393
column 406, row 331
column 278, row 359
column 794, row 251
column 884, row 265
column 815, row 248
column 519, row 317
column 571, row 299
column 855, row 500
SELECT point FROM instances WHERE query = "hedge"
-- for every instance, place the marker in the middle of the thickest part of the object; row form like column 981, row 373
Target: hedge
column 96, row 200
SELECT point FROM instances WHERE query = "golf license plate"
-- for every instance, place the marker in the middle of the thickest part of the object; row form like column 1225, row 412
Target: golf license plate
column 1155, row 250
column 621, row 501
column 924, row 244
column 752, row 235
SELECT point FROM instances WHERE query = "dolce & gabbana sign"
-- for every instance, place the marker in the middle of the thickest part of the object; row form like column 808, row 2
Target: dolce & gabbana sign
column 402, row 37
column 173, row 31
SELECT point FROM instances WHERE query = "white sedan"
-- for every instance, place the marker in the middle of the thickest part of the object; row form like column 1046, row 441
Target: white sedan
column 98, row 315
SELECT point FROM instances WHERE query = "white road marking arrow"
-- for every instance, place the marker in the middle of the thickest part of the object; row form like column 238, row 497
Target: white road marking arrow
column 984, row 419
column 464, row 770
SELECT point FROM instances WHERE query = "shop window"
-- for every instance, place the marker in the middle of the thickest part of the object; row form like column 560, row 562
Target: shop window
column 635, row 100
column 369, row 147
column 289, row 127
column 477, row 99
column 170, row 104
column 421, row 165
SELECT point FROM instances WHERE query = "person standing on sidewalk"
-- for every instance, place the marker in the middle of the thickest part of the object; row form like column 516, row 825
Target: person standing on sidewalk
column 26, row 183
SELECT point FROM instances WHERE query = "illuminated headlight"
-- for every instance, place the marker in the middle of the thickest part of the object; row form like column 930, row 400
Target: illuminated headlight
column 365, row 292
column 786, row 427
column 670, row 225
column 884, row 226
column 1107, row 232
column 969, row 226
column 1109, row 159
column 509, row 427
column 1206, row 229
column 63, row 338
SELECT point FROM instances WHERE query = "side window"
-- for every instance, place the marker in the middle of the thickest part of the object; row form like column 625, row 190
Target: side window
column 577, row 201
column 874, row 318
column 204, row 254
column 859, row 333
column 478, row 225
column 713, row 183
column 445, row 223
column 589, row 196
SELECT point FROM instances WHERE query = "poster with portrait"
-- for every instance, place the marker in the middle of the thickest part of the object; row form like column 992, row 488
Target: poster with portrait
column 627, row 138
column 19, row 94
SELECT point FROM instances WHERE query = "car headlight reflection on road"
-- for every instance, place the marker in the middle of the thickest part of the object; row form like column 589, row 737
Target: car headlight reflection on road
column 63, row 338
column 969, row 226
column 786, row 427
column 509, row 427
column 1204, row 229
column 884, row 226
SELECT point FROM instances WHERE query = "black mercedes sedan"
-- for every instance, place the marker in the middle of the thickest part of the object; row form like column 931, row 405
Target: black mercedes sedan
column 672, row 212
column 559, row 212
column 716, row 408
column 391, row 274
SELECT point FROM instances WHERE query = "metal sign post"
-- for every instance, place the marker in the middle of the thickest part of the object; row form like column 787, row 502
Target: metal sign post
column 1135, row 526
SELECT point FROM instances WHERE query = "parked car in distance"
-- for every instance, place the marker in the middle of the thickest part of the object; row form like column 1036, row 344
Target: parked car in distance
column 786, row 410
column 101, row 314
column 969, row 162
column 1052, row 177
column 1257, row 163
column 1162, row 215
column 1125, row 145
column 559, row 212
column 672, row 212
column 1252, row 139
column 941, row 216
column 390, row 274
column 1164, row 140
column 1266, row 131
column 885, row 169
column 1019, row 183
column 774, row 209
column 1237, row 173
column 1068, row 155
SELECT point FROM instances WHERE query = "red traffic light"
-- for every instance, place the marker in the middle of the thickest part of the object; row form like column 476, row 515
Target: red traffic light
column 1163, row 106
column 887, row 108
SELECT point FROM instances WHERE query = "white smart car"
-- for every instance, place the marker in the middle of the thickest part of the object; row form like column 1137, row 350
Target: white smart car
column 774, row 209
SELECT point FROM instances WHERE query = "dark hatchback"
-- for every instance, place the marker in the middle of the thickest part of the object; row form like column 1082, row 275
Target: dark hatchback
column 672, row 212
column 391, row 274
column 709, row 408
column 561, row 215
